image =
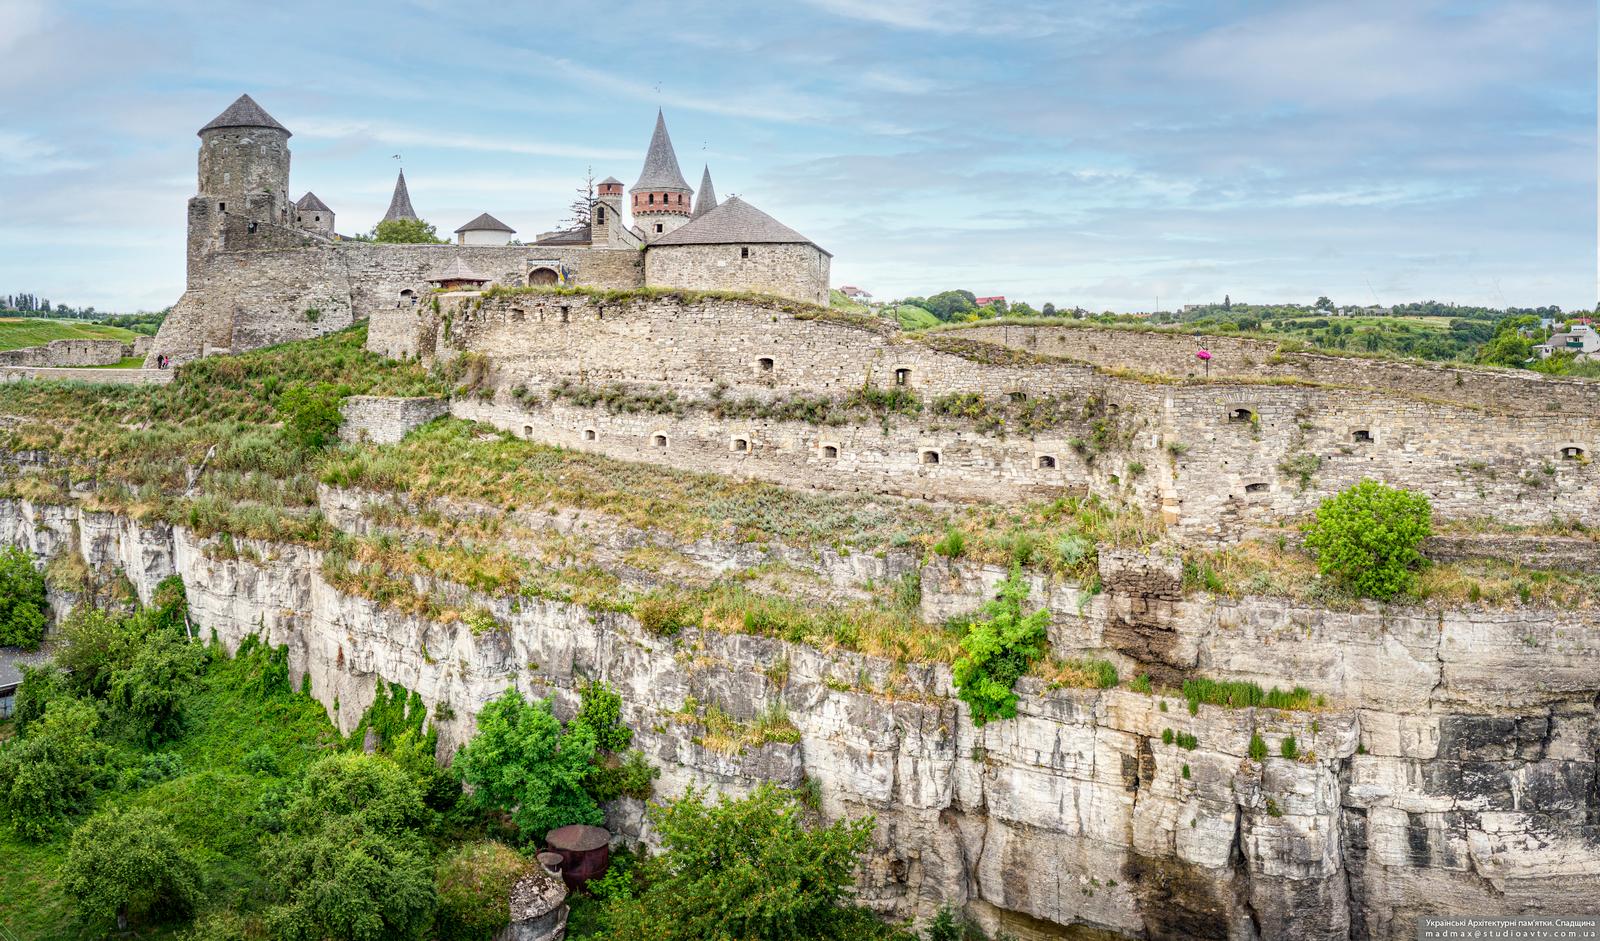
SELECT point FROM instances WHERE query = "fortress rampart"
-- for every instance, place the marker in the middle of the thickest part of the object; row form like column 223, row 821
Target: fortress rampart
column 1173, row 354
column 1214, row 457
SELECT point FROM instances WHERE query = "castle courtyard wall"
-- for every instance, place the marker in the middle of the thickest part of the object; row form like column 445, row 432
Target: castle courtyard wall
column 1215, row 458
column 798, row 272
column 1173, row 354
column 68, row 353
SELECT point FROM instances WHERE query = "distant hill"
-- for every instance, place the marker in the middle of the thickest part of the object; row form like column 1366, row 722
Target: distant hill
column 18, row 332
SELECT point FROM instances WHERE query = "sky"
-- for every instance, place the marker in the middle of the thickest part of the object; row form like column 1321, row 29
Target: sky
column 1110, row 155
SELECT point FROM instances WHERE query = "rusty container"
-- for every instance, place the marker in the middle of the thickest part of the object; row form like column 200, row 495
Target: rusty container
column 585, row 852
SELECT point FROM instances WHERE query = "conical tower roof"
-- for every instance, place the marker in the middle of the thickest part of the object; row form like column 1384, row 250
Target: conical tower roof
column 310, row 203
column 244, row 112
column 400, row 203
column 661, row 163
column 706, row 199
column 734, row 222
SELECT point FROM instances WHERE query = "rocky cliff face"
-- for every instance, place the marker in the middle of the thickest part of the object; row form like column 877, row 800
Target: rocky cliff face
column 1452, row 770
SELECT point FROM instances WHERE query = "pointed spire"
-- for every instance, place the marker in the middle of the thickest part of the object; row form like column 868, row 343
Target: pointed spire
column 706, row 199
column 400, row 203
column 661, row 163
column 244, row 112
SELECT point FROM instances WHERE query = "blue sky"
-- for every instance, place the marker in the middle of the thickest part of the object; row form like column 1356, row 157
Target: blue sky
column 1101, row 154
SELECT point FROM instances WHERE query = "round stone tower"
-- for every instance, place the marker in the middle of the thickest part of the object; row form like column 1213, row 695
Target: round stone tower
column 244, row 163
column 662, row 200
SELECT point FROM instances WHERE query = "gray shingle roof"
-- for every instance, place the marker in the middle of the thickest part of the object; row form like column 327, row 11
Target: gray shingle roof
column 400, row 202
column 12, row 660
column 734, row 222
column 310, row 203
column 610, row 179
column 458, row 270
column 578, row 235
column 661, row 163
column 706, row 199
column 486, row 223
column 244, row 112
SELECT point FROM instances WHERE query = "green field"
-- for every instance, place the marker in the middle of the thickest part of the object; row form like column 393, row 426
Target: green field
column 18, row 332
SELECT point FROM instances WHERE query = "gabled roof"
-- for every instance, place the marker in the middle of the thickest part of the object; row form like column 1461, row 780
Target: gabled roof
column 310, row 203
column 733, row 222
column 661, row 163
column 706, row 199
column 244, row 112
column 458, row 270
column 486, row 223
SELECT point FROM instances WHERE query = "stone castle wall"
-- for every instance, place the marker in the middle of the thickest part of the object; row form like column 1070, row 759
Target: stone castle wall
column 1214, row 457
column 69, row 353
column 799, row 272
column 387, row 419
column 1429, row 791
column 257, row 284
column 1173, row 354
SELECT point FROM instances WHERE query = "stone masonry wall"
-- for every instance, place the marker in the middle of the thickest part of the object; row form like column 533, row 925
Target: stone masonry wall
column 386, row 419
column 1239, row 357
column 799, row 272
column 1421, row 788
column 68, row 353
column 1216, row 457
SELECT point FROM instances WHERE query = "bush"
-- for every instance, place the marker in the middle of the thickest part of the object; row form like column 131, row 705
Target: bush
column 22, row 601
column 474, row 887
column 310, row 413
column 53, row 771
column 130, row 865
column 353, row 862
column 1368, row 537
column 1289, row 748
column 523, row 763
column 1258, row 747
column 952, row 545
column 752, row 869
column 1000, row 647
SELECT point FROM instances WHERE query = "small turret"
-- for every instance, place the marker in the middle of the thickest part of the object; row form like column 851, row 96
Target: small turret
column 606, row 223
column 706, row 199
column 400, row 202
column 313, row 215
column 661, row 198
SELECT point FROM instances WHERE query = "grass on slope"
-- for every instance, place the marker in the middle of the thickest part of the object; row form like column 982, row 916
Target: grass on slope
column 18, row 332
column 238, row 743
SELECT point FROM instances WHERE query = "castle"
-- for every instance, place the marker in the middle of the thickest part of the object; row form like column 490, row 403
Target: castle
column 263, row 268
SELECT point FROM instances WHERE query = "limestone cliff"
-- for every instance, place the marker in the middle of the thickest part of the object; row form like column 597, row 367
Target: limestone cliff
column 1452, row 770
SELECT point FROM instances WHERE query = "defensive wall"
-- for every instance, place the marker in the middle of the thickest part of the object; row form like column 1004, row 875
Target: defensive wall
column 1173, row 354
column 1213, row 457
column 254, row 284
column 70, row 353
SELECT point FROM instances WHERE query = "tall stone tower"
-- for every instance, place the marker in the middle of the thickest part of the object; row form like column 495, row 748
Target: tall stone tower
column 243, row 178
column 661, row 198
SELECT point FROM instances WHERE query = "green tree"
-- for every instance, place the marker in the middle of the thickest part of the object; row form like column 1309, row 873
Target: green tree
column 950, row 305
column 22, row 601
column 41, row 686
column 131, row 866
column 310, row 413
column 1368, row 536
column 151, row 688
column 1049, row 309
column 616, row 770
column 53, row 771
column 746, row 870
column 1323, row 303
column 999, row 648
column 523, row 762
column 353, row 861
column 413, row 231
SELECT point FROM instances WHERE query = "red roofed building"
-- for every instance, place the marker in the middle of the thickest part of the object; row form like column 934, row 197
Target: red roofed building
column 987, row 301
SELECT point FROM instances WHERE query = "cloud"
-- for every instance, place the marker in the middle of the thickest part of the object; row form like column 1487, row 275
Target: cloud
column 432, row 137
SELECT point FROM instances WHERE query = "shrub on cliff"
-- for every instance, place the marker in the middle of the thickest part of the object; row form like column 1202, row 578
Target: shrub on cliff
column 21, row 600
column 1368, row 537
column 310, row 413
column 1000, row 647
column 524, row 763
column 753, row 869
